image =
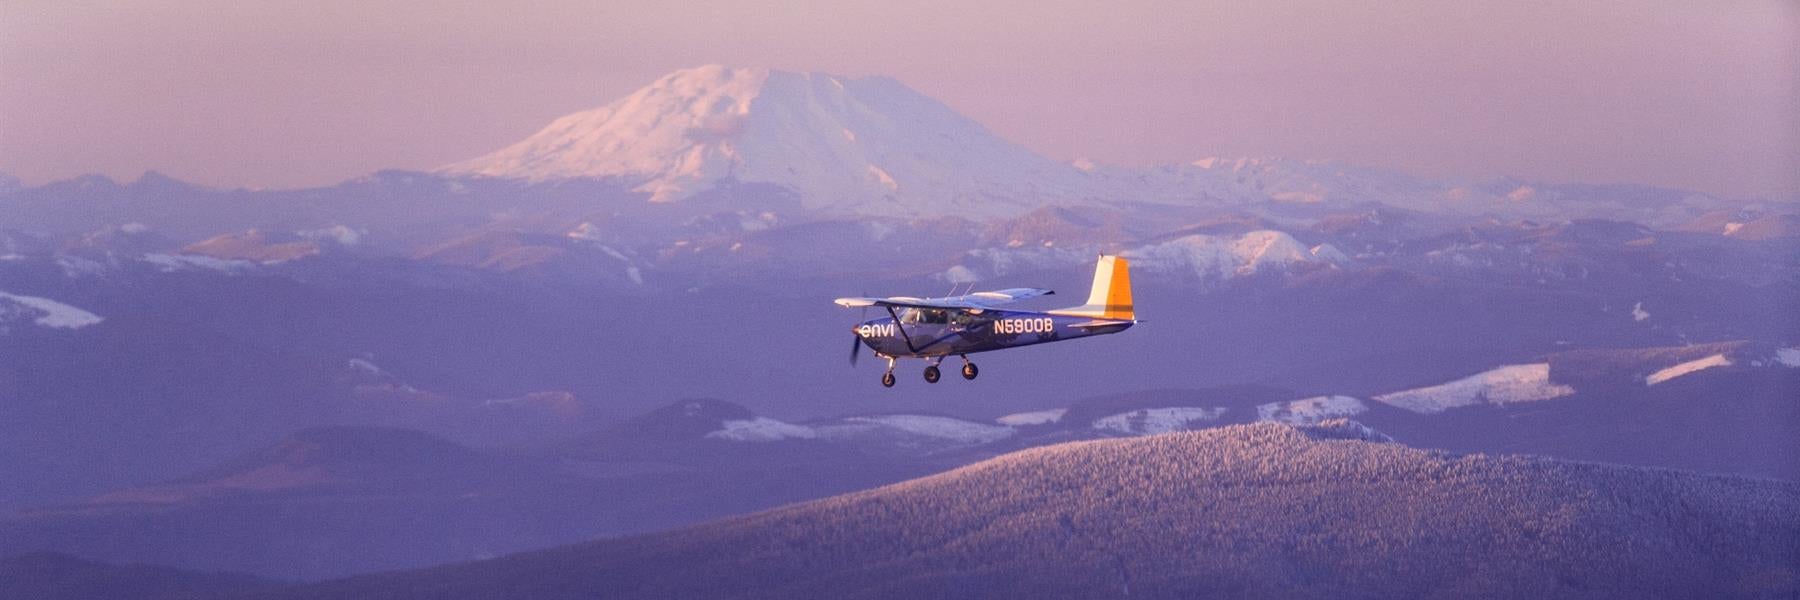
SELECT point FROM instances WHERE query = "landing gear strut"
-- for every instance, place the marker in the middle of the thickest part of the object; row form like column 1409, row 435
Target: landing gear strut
column 932, row 372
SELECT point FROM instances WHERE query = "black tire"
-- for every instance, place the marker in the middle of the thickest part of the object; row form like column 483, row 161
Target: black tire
column 932, row 374
column 970, row 371
column 887, row 380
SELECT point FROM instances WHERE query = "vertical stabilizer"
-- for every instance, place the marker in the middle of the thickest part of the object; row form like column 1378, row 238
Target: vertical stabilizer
column 1110, row 298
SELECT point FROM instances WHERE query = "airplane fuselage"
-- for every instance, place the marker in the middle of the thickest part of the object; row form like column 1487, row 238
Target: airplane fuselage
column 928, row 333
column 933, row 328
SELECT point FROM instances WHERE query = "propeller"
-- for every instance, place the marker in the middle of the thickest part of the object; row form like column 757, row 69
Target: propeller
column 856, row 339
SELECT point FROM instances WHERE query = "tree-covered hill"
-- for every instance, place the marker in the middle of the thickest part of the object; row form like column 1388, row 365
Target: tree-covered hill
column 1260, row 510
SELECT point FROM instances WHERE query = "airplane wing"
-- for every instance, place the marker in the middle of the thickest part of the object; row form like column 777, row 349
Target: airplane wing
column 977, row 301
column 999, row 297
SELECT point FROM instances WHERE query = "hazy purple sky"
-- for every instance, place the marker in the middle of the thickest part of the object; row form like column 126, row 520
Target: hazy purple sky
column 1700, row 95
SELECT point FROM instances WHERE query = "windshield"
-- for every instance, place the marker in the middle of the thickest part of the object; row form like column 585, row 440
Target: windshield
column 935, row 316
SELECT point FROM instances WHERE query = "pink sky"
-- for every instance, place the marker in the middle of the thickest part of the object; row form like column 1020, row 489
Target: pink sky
column 1701, row 95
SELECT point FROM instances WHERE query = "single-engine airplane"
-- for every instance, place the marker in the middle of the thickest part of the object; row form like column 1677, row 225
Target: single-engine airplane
column 935, row 328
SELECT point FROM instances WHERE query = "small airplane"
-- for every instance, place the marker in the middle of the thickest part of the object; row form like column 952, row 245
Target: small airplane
column 936, row 328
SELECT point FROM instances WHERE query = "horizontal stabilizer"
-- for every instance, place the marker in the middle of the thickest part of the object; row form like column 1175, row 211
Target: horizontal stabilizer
column 1099, row 323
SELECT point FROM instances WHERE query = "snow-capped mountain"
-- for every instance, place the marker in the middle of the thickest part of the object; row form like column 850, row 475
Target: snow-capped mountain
column 868, row 146
column 871, row 146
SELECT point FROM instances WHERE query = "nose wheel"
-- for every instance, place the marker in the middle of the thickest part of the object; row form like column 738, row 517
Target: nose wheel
column 887, row 379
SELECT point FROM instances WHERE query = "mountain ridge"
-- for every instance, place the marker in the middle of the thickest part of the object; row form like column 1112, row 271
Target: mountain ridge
column 1260, row 510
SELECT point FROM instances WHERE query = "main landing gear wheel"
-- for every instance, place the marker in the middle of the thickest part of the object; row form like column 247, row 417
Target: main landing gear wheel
column 887, row 379
column 931, row 374
column 969, row 371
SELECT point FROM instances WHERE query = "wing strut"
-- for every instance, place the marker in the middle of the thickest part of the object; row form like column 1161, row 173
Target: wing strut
column 902, row 327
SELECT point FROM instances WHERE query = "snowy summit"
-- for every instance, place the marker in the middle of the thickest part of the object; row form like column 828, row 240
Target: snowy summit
column 872, row 147
column 867, row 145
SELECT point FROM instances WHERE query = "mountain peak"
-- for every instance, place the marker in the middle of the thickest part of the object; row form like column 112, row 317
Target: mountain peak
column 867, row 145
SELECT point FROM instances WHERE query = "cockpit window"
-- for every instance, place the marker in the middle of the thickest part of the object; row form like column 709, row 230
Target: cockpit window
column 930, row 316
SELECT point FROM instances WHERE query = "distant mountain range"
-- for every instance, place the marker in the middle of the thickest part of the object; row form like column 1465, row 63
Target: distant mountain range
column 341, row 500
column 873, row 147
column 209, row 361
column 1263, row 510
column 716, row 175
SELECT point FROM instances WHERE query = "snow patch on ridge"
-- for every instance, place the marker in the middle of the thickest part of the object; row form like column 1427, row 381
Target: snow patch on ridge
column 1210, row 257
column 168, row 263
column 947, row 428
column 50, row 313
column 944, row 429
column 881, row 176
column 342, row 234
column 1505, row 385
column 75, row 267
column 1308, row 411
column 366, row 366
column 585, row 232
column 1329, row 253
column 959, row 274
column 1690, row 367
column 761, row 429
column 1151, row 421
column 1788, row 356
column 1036, row 417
